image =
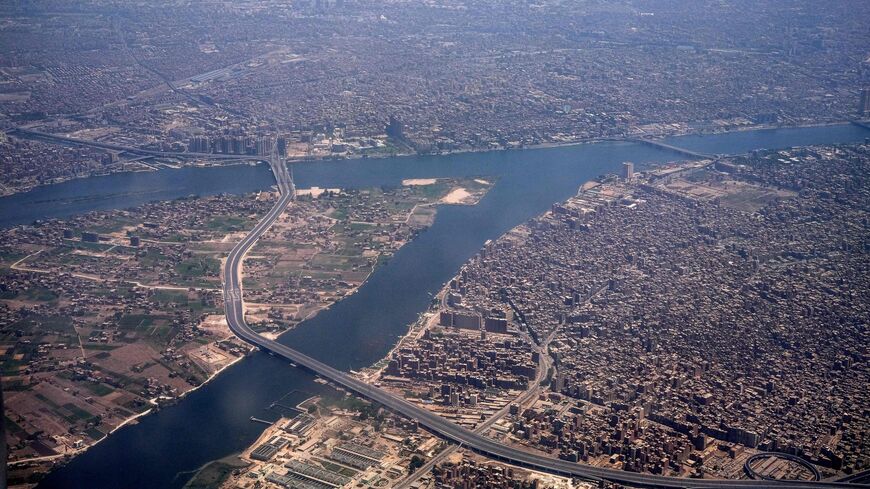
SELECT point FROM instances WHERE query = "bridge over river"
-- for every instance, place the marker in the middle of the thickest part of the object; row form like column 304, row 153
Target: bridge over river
column 234, row 306
column 676, row 149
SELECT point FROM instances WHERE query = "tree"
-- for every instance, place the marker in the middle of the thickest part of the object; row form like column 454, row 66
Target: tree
column 416, row 463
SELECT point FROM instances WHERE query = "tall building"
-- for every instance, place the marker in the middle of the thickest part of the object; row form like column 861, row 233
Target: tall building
column 395, row 129
column 864, row 106
column 199, row 144
column 864, row 70
column 628, row 170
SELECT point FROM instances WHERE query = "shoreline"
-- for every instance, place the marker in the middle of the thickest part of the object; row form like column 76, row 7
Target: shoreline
column 59, row 180
column 63, row 458
column 256, row 160
column 411, row 328
column 132, row 420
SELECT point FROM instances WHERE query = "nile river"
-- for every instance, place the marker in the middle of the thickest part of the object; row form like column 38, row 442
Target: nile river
column 164, row 449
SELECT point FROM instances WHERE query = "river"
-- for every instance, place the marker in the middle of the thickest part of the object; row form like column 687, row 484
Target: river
column 164, row 449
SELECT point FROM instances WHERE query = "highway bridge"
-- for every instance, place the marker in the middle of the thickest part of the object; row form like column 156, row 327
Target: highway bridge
column 234, row 306
column 862, row 477
column 55, row 138
column 865, row 124
column 676, row 149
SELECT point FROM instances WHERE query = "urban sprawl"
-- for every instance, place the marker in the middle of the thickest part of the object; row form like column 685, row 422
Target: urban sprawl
column 705, row 319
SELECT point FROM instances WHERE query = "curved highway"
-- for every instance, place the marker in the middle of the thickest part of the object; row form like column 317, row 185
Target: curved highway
column 235, row 318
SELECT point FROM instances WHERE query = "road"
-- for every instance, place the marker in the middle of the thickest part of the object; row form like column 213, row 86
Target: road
column 544, row 364
column 55, row 138
column 234, row 307
column 659, row 144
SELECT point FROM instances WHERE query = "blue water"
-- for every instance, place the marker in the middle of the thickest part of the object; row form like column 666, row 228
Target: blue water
column 163, row 449
column 745, row 141
column 130, row 189
column 124, row 190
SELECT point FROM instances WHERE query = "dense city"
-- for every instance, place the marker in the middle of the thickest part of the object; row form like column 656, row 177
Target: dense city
column 357, row 78
column 672, row 337
column 322, row 244
column 597, row 334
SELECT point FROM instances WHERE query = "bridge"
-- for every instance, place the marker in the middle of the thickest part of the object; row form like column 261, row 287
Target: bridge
column 856, row 122
column 55, row 138
column 234, row 308
column 283, row 177
column 676, row 149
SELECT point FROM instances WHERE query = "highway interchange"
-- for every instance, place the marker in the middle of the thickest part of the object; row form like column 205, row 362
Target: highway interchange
column 232, row 290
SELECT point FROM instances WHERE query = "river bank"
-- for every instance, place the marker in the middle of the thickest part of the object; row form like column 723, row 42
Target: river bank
column 7, row 191
column 361, row 329
column 401, row 213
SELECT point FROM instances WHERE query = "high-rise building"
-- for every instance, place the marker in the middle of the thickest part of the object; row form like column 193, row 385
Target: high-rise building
column 864, row 70
column 628, row 171
column 199, row 144
column 864, row 106
column 395, row 129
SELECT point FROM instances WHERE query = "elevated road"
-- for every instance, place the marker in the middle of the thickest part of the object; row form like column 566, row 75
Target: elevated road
column 865, row 124
column 544, row 364
column 234, row 306
column 54, row 138
column 859, row 477
column 676, row 149
column 283, row 177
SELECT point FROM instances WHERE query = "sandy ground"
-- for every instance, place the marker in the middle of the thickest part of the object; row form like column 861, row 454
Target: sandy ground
column 216, row 324
column 316, row 192
column 211, row 358
column 418, row 181
column 456, row 196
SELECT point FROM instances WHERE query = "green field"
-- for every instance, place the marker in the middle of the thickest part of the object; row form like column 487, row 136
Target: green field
column 228, row 223
column 37, row 323
column 98, row 389
column 170, row 297
column 135, row 321
column 38, row 294
column 198, row 266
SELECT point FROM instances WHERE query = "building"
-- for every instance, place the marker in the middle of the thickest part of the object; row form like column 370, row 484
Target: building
column 495, row 325
column 628, row 170
column 864, row 105
column 466, row 321
column 395, row 129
